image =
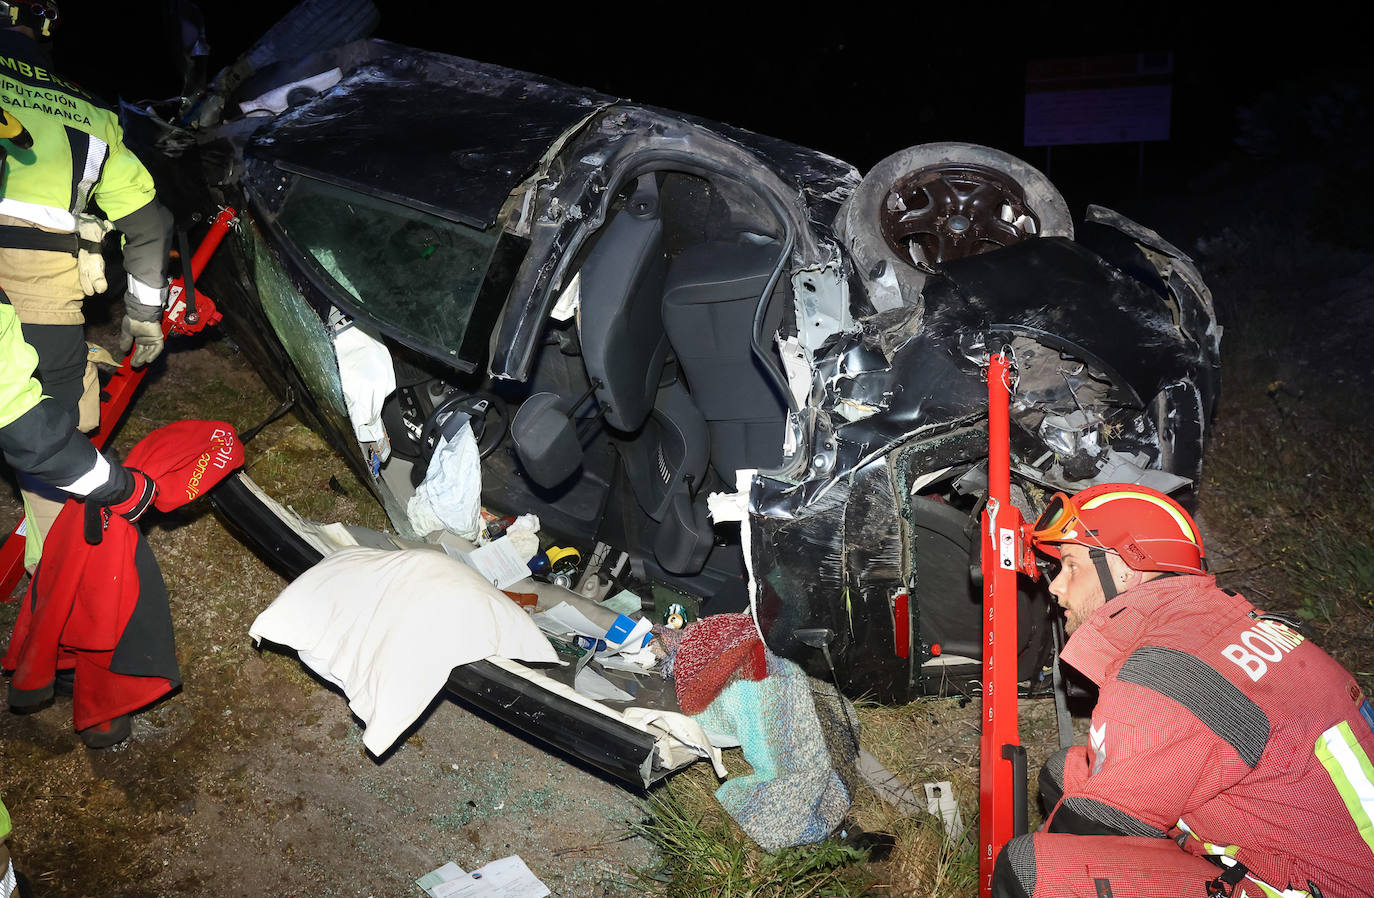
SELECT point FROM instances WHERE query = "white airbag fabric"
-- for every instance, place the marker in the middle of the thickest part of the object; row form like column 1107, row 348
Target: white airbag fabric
column 388, row 626
column 450, row 497
column 367, row 377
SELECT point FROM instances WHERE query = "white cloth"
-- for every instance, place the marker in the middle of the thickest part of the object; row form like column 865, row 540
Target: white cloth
column 387, row 627
column 367, row 377
column 450, row 496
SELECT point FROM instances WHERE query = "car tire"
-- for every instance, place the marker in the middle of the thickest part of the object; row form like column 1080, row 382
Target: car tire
column 865, row 223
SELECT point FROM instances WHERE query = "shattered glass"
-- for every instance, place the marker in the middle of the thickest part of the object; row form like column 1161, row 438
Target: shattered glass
column 407, row 269
column 303, row 335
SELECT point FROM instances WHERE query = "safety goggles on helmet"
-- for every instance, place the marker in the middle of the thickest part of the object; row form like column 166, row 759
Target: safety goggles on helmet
column 1059, row 522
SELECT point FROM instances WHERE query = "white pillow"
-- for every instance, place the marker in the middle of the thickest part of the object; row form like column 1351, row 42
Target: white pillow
column 387, row 627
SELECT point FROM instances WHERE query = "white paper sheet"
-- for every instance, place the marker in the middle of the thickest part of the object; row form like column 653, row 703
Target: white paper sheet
column 499, row 563
column 506, row 878
column 447, row 873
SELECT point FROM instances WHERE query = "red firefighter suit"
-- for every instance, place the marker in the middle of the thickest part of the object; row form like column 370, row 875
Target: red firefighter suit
column 1216, row 730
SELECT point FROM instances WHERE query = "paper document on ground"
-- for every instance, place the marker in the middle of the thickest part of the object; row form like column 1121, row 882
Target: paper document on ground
column 506, row 878
column 447, row 873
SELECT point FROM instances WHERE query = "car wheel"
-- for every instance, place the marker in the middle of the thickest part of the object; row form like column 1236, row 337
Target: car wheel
column 937, row 202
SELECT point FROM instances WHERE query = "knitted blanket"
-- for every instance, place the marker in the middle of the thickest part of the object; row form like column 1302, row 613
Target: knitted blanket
column 800, row 737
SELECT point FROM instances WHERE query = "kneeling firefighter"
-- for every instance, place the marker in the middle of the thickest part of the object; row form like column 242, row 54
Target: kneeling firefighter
column 1228, row 756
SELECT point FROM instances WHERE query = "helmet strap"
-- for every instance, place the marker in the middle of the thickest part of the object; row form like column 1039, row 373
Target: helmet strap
column 1104, row 573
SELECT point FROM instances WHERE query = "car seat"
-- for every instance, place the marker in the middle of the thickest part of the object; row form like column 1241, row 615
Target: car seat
column 656, row 427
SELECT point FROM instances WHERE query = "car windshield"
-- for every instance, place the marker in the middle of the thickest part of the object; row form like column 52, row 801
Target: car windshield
column 403, row 268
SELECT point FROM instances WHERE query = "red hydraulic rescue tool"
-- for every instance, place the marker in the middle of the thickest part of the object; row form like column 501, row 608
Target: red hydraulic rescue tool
column 188, row 312
column 1007, row 551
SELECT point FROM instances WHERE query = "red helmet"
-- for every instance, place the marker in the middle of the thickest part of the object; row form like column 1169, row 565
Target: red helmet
column 1150, row 531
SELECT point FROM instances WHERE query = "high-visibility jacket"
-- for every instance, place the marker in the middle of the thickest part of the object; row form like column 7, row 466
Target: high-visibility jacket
column 78, row 156
column 1229, row 732
column 37, row 435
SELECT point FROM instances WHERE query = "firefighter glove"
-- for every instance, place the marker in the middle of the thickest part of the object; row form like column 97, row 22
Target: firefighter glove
column 90, row 264
column 138, row 330
column 129, row 493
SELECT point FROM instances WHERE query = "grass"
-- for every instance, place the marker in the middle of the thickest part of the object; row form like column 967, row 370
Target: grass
column 1288, row 486
column 703, row 852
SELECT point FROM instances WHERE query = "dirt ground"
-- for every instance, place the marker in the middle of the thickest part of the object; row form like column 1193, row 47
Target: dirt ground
column 252, row 780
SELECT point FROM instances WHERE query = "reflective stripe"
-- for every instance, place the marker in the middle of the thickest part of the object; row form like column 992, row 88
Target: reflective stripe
column 1145, row 497
column 44, row 216
column 96, row 150
column 1225, row 855
column 1350, row 771
column 95, row 477
column 1227, row 850
column 145, row 294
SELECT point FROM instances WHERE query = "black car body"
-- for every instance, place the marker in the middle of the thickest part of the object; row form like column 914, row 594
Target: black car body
column 740, row 304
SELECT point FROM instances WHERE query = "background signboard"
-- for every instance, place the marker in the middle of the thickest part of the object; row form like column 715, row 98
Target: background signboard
column 1123, row 98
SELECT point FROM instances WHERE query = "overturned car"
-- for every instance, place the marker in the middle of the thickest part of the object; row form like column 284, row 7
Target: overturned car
column 719, row 364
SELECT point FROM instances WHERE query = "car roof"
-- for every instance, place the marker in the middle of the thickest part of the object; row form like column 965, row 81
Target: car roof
column 439, row 133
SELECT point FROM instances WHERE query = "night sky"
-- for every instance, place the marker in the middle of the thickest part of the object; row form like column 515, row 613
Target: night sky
column 859, row 85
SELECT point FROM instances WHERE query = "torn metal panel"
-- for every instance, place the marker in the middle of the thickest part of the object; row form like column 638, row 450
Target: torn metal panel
column 822, row 301
column 830, row 567
column 923, row 388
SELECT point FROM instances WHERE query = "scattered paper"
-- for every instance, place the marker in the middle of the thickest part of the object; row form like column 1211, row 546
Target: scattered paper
column 940, row 803
column 564, row 620
column 498, row 562
column 447, row 873
column 506, row 878
column 627, row 633
column 623, row 602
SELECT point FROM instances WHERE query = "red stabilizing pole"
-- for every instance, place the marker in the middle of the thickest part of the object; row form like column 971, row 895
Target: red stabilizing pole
column 1001, row 535
column 118, row 392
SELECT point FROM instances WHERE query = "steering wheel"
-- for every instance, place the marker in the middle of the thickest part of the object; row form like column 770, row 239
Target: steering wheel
column 487, row 413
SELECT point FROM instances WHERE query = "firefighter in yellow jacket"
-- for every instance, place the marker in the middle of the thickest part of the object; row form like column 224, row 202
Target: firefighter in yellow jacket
column 50, row 257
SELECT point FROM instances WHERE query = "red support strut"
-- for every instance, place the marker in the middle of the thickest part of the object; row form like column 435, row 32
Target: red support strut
column 1005, row 552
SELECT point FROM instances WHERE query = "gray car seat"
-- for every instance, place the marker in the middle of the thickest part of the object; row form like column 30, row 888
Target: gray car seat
column 709, row 302
column 658, row 431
